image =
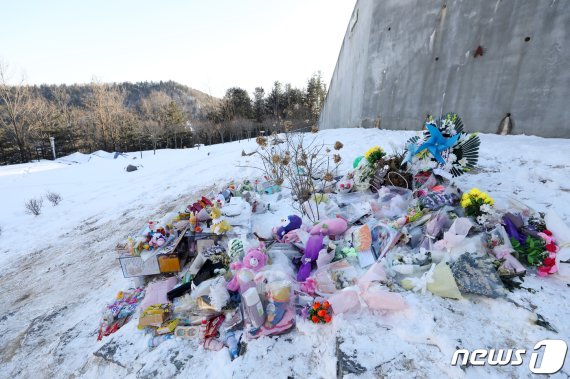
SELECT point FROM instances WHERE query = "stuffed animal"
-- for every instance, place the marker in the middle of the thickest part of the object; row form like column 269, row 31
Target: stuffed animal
column 332, row 227
column 254, row 260
column 345, row 185
column 235, row 249
column 157, row 240
column 199, row 205
column 293, row 222
column 310, row 255
column 219, row 223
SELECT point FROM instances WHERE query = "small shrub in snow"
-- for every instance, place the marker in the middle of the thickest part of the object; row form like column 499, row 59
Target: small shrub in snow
column 54, row 198
column 34, row 206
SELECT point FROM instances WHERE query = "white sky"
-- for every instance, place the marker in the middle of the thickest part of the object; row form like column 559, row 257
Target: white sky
column 209, row 45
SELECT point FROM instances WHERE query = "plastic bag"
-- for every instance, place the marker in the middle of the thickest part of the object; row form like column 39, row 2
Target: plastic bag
column 347, row 300
column 561, row 232
column 403, row 261
column 378, row 298
column 455, row 235
column 375, row 273
column 270, row 311
column 477, row 275
column 334, row 277
column 438, row 280
column 499, row 245
column 393, row 202
column 211, row 294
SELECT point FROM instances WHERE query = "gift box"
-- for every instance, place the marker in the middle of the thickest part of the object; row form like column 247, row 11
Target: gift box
column 169, row 262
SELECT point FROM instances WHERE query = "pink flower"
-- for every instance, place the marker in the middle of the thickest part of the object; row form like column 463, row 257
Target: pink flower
column 542, row 271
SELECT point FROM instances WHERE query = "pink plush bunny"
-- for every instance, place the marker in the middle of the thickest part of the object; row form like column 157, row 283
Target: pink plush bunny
column 332, row 227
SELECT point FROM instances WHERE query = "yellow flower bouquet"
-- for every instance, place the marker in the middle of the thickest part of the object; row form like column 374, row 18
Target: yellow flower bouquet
column 374, row 154
column 476, row 202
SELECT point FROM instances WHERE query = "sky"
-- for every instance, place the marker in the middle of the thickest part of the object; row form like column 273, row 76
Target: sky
column 209, row 45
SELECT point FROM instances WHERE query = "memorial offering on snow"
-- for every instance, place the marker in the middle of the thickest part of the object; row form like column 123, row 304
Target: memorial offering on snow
column 394, row 226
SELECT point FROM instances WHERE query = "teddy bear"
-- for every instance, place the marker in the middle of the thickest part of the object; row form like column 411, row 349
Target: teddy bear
column 253, row 261
column 219, row 223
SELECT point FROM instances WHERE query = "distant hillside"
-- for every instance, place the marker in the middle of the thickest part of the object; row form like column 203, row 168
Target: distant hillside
column 191, row 100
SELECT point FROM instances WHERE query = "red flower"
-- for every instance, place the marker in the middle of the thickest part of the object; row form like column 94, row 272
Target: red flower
column 315, row 319
column 321, row 313
column 542, row 270
column 549, row 262
column 551, row 247
column 326, row 305
column 316, row 306
column 547, row 232
column 327, row 318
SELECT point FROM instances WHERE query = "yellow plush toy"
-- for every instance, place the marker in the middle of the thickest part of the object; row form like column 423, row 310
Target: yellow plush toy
column 219, row 224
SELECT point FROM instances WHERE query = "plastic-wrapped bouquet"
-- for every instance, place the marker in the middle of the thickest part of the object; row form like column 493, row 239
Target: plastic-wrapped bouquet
column 478, row 204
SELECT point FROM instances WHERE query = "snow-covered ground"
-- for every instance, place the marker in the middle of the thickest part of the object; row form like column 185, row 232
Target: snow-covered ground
column 58, row 270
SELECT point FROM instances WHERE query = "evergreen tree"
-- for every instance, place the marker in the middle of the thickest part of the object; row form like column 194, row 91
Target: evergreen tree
column 259, row 104
column 315, row 96
column 240, row 103
column 274, row 100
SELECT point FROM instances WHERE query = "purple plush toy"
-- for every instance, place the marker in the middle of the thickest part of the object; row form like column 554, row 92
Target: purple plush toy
column 294, row 223
column 310, row 255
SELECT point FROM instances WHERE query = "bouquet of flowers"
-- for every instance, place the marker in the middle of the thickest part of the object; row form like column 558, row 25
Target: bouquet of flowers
column 320, row 313
column 374, row 154
column 478, row 204
column 534, row 243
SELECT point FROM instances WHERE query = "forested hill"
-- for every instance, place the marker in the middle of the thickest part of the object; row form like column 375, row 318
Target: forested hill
column 192, row 101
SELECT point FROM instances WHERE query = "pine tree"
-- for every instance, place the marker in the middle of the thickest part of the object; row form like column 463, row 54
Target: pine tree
column 259, row 104
column 315, row 96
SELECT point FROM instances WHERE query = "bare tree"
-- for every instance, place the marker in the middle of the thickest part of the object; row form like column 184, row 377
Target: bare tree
column 14, row 108
column 106, row 106
column 155, row 109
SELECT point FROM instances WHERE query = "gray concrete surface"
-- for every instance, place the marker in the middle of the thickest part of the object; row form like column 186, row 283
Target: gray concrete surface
column 403, row 59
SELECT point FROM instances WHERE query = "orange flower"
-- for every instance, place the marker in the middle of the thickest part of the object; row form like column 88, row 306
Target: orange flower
column 327, row 318
column 316, row 306
column 326, row 305
column 321, row 313
column 315, row 319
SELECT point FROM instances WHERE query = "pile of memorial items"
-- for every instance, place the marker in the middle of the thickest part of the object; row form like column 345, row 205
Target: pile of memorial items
column 393, row 223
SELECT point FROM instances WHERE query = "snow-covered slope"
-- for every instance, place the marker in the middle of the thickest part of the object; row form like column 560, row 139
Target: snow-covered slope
column 59, row 269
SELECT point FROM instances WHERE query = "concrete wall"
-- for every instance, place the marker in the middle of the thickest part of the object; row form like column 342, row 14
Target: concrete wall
column 403, row 59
